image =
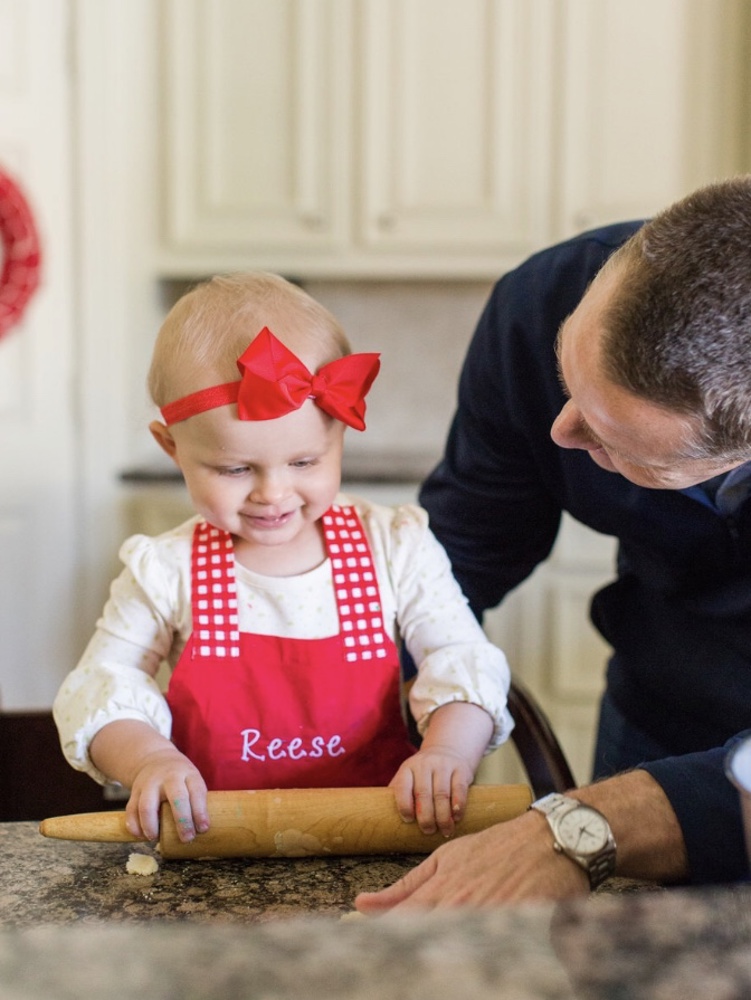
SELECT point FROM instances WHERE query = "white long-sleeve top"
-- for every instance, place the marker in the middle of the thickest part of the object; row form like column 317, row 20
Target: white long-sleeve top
column 147, row 621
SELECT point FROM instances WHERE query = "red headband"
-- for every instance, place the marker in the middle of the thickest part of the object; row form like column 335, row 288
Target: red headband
column 274, row 382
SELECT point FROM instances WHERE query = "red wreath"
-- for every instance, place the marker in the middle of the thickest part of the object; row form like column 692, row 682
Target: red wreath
column 21, row 256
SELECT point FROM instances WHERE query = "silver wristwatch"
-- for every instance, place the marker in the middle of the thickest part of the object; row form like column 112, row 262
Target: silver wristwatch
column 581, row 833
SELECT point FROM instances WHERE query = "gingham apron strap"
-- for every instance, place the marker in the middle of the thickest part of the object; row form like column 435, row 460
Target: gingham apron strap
column 214, row 594
column 355, row 585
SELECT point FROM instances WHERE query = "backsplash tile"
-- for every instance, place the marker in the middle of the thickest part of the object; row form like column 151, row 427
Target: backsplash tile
column 422, row 330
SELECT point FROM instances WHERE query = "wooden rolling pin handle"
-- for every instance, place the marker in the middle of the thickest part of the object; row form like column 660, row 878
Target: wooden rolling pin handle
column 107, row 827
column 300, row 822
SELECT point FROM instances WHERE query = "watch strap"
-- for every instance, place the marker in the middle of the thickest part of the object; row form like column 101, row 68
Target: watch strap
column 550, row 803
column 602, row 866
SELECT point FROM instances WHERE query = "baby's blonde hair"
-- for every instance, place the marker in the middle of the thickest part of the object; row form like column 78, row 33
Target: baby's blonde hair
column 208, row 329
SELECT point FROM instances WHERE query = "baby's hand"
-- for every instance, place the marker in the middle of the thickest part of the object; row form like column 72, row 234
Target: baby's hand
column 167, row 775
column 431, row 787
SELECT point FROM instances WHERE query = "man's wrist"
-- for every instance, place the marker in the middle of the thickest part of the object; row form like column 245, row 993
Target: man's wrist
column 649, row 836
column 581, row 833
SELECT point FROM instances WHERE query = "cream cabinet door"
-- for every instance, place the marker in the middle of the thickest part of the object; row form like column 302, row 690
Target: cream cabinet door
column 652, row 99
column 434, row 137
column 256, row 130
column 356, row 136
column 456, row 126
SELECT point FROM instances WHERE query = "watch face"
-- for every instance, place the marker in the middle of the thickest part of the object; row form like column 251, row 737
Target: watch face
column 582, row 831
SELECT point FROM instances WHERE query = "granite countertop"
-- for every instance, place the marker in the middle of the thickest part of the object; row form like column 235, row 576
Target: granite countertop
column 60, row 881
column 74, row 924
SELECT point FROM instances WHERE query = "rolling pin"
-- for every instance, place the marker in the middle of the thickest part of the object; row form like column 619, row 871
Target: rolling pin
column 299, row 822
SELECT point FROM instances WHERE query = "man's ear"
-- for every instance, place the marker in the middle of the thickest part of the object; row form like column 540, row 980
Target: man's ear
column 163, row 437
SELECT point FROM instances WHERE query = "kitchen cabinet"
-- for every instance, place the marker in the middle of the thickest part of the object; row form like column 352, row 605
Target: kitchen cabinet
column 433, row 137
column 652, row 104
column 375, row 137
column 455, row 124
column 257, row 100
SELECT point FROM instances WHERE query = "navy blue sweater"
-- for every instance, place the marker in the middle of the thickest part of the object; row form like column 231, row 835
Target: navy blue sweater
column 678, row 613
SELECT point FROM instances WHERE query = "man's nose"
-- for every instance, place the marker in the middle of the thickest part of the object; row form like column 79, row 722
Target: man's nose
column 570, row 431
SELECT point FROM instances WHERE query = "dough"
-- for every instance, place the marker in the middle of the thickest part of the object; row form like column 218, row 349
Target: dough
column 141, row 864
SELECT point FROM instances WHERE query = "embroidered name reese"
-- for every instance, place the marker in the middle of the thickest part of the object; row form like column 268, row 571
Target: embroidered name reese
column 257, row 747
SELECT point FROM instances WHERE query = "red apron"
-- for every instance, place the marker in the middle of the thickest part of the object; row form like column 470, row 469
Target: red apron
column 257, row 711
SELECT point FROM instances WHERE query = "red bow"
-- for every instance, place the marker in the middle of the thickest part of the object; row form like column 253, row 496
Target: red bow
column 275, row 381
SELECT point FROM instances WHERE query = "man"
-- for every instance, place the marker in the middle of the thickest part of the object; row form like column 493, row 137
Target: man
column 610, row 377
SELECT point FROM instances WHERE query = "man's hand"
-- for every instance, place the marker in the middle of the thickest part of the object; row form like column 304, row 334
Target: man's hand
column 515, row 861
column 506, row 863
